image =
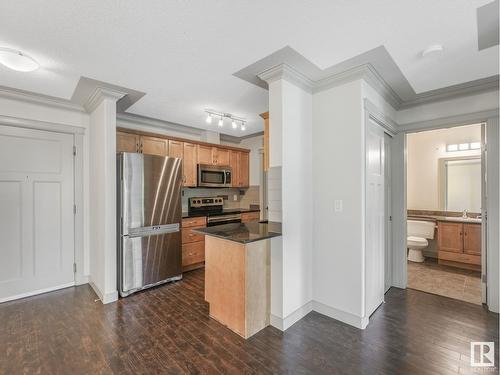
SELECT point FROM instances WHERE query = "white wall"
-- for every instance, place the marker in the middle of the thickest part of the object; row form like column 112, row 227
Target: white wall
column 25, row 109
column 338, row 149
column 424, row 149
column 446, row 108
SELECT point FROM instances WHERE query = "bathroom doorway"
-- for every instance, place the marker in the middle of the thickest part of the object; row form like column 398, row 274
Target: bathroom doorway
column 445, row 201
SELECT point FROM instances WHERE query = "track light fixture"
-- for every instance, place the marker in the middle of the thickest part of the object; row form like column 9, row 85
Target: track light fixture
column 222, row 115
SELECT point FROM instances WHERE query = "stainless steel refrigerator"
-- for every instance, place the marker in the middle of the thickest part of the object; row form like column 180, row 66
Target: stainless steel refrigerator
column 149, row 220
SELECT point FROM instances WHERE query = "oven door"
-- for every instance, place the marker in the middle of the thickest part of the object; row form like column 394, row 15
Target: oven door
column 212, row 176
column 223, row 219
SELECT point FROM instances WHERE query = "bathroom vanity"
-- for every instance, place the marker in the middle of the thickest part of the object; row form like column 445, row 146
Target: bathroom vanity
column 459, row 243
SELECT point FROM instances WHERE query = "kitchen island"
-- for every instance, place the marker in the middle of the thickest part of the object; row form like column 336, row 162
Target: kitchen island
column 237, row 274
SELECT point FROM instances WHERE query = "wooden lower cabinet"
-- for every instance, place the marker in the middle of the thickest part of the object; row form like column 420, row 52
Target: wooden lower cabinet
column 193, row 244
column 459, row 244
column 250, row 216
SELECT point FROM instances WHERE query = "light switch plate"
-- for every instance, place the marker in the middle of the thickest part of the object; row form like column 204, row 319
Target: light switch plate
column 338, row 205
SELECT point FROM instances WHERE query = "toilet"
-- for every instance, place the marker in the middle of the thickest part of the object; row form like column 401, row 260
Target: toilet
column 418, row 233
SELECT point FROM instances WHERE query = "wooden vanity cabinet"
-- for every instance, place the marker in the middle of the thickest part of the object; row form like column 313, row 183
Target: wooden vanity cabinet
column 472, row 239
column 459, row 244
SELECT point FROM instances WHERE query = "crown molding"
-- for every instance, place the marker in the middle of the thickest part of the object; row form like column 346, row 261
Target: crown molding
column 383, row 120
column 40, row 99
column 287, row 73
column 450, row 121
column 129, row 120
column 234, row 139
column 365, row 71
column 40, row 125
column 99, row 94
column 478, row 86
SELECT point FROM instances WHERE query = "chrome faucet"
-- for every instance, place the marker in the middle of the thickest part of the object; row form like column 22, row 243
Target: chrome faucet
column 464, row 214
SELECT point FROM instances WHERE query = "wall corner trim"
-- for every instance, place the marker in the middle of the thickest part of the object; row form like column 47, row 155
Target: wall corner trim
column 105, row 298
column 343, row 316
column 284, row 323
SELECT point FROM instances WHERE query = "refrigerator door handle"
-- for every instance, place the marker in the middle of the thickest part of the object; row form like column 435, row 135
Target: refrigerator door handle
column 153, row 230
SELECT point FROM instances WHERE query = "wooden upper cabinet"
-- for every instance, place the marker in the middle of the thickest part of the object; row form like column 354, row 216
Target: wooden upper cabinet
column 450, row 237
column 265, row 116
column 154, row 146
column 175, row 149
column 221, row 156
column 472, row 239
column 127, row 142
column 244, row 178
column 205, row 154
column 189, row 164
column 234, row 163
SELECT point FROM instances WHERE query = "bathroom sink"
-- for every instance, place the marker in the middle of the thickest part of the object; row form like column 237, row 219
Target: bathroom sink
column 463, row 219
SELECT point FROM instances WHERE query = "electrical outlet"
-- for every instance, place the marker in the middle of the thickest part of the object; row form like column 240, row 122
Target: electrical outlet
column 235, row 197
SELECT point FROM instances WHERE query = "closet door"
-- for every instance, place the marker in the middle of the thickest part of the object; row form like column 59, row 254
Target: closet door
column 36, row 212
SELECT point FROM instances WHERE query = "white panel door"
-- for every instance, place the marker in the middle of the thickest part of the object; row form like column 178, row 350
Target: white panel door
column 36, row 212
column 375, row 218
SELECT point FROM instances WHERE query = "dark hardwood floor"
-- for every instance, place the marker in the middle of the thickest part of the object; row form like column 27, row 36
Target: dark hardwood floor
column 167, row 330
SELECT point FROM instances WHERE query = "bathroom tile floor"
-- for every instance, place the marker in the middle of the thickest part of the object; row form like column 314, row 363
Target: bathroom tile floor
column 445, row 281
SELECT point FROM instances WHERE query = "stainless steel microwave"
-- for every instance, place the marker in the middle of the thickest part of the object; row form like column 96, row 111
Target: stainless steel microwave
column 214, row 176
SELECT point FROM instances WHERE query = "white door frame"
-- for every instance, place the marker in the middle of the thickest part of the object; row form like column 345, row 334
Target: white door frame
column 390, row 128
column 492, row 188
column 78, row 138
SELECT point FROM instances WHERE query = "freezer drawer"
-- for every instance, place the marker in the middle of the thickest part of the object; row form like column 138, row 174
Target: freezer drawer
column 149, row 260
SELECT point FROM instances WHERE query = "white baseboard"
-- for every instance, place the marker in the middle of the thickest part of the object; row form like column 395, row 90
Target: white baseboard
column 345, row 317
column 35, row 292
column 105, row 298
column 81, row 280
column 284, row 323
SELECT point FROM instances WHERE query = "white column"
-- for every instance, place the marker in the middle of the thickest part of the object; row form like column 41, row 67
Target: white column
column 102, row 216
column 290, row 144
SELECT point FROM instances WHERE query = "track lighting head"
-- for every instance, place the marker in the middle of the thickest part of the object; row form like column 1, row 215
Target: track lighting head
column 221, row 122
column 209, row 118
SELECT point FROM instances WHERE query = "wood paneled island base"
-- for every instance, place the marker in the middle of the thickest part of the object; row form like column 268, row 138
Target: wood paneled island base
column 237, row 284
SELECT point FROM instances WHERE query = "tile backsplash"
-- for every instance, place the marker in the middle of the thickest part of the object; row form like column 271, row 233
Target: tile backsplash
column 244, row 197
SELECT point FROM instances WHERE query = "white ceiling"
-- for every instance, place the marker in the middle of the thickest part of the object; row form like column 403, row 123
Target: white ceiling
column 182, row 53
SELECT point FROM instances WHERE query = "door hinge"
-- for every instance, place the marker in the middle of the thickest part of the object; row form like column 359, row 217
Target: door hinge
column 74, row 150
column 74, row 267
column 484, row 279
column 74, row 209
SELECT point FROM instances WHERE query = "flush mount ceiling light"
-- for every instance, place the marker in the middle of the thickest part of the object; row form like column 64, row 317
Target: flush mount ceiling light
column 223, row 115
column 16, row 60
column 432, row 49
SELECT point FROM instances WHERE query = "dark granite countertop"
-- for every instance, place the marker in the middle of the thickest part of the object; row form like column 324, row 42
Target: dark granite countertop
column 227, row 211
column 243, row 232
column 457, row 219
